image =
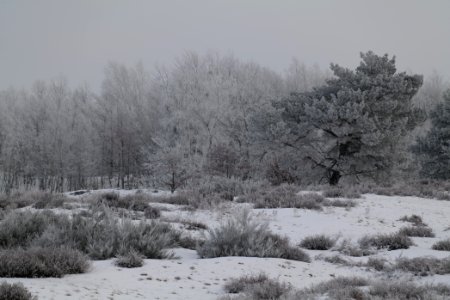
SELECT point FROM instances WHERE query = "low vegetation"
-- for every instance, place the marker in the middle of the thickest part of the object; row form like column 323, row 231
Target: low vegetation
column 14, row 291
column 344, row 288
column 42, row 262
column 244, row 236
column 100, row 235
column 443, row 245
column 391, row 241
column 131, row 259
column 423, row 266
column 414, row 219
column 417, row 231
column 318, row 242
column 257, row 287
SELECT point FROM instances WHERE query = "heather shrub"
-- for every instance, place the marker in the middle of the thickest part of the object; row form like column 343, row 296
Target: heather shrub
column 336, row 259
column 414, row 219
column 344, row 288
column 350, row 249
column 14, row 291
column 317, row 242
column 148, row 239
column 417, row 231
column 339, row 203
column 423, row 266
column 151, row 212
column 443, row 245
column 244, row 236
column 285, row 196
column 407, row 290
column 46, row 200
column 103, row 236
column 225, row 188
column 42, row 262
column 392, row 241
column 136, row 202
column 131, row 259
column 20, row 228
column 339, row 288
column 258, row 287
column 378, row 264
column 341, row 192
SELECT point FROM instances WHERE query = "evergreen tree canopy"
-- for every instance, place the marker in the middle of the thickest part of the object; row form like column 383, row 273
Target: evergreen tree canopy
column 433, row 150
column 353, row 124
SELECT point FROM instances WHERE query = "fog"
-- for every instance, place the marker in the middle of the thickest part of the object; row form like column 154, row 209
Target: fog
column 76, row 39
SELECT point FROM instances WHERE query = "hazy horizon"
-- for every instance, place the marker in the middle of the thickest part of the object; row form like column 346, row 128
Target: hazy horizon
column 42, row 40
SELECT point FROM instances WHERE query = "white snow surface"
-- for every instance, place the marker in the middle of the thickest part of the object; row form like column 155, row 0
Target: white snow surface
column 189, row 277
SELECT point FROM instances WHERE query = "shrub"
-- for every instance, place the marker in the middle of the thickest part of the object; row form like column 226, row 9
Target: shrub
column 336, row 259
column 378, row 264
column 285, row 196
column 340, row 288
column 48, row 200
column 317, row 242
column 423, row 266
column 417, row 231
column 347, row 248
column 151, row 212
column 414, row 219
column 20, row 228
column 339, row 203
column 222, row 187
column 243, row 236
column 42, row 262
column 15, row 291
column 343, row 288
column 257, row 287
column 392, row 241
column 136, row 202
column 341, row 193
column 443, row 245
column 407, row 290
column 131, row 259
column 189, row 242
column 102, row 236
column 150, row 240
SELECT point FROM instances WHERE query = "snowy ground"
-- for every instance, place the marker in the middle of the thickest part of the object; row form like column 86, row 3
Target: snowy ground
column 189, row 277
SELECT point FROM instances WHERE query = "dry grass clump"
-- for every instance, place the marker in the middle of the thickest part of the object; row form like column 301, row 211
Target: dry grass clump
column 348, row 248
column 135, row 202
column 257, row 287
column 244, row 236
column 100, row 235
column 15, row 291
column 151, row 212
column 38, row 199
column 443, row 245
column 42, row 262
column 340, row 192
column 131, row 259
column 423, row 266
column 345, row 288
column 318, row 242
column 414, row 219
column 417, row 231
column 390, row 242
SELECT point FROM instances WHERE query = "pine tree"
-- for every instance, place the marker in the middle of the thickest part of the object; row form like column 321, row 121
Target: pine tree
column 353, row 124
column 433, row 149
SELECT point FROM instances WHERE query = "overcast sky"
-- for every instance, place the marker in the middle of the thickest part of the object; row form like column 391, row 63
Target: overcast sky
column 45, row 39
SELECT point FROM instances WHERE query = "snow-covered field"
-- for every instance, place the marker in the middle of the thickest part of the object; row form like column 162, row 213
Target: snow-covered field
column 189, row 277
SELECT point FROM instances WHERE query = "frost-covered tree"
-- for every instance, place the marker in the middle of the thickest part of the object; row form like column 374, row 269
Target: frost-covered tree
column 433, row 149
column 352, row 125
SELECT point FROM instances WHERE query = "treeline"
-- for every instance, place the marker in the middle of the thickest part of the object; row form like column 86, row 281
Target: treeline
column 215, row 115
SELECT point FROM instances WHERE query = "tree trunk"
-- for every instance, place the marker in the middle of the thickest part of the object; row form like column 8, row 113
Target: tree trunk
column 334, row 178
